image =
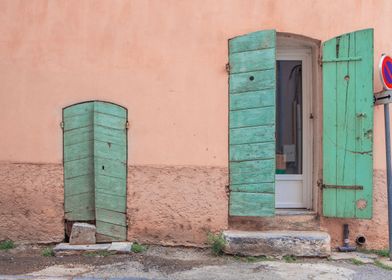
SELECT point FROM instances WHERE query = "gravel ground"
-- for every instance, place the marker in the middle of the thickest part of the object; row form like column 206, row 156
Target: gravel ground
column 176, row 263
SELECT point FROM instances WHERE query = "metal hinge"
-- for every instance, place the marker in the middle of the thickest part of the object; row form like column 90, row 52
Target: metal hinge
column 320, row 183
column 354, row 187
column 344, row 59
column 62, row 125
column 228, row 68
column 127, row 125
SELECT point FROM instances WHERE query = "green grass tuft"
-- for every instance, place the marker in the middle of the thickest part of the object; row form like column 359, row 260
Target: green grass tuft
column 217, row 243
column 381, row 253
column 101, row 253
column 381, row 265
column 138, row 248
column 290, row 259
column 47, row 252
column 357, row 262
column 7, row 244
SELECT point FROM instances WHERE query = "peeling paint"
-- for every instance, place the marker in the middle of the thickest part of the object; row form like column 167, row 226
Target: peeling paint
column 361, row 204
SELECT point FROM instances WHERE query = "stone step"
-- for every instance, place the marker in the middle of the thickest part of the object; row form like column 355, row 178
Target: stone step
column 64, row 249
column 277, row 243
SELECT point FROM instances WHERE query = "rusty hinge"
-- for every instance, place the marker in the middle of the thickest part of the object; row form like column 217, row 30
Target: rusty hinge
column 62, row 125
column 320, row 183
column 228, row 68
column 354, row 187
column 344, row 59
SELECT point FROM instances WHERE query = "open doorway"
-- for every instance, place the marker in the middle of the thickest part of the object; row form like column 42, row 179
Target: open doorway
column 294, row 138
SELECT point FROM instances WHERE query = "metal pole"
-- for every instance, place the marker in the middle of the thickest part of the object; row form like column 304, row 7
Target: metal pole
column 389, row 174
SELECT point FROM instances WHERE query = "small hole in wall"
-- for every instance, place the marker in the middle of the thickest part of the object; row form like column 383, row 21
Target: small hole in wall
column 103, row 167
column 347, row 77
column 251, row 78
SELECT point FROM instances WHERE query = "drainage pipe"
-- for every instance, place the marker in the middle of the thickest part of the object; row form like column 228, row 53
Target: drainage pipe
column 360, row 240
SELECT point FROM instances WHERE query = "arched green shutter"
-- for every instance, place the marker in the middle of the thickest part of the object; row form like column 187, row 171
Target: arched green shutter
column 110, row 171
column 348, row 125
column 95, row 167
column 78, row 157
column 252, row 84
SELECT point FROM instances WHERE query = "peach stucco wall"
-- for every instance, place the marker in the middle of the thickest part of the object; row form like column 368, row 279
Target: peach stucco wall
column 164, row 61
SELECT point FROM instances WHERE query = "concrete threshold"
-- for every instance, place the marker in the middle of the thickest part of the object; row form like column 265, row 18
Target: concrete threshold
column 115, row 247
column 294, row 212
column 278, row 243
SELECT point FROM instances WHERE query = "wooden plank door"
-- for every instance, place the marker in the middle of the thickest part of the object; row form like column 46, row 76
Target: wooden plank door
column 348, row 125
column 78, row 160
column 110, row 169
column 252, row 83
column 95, row 167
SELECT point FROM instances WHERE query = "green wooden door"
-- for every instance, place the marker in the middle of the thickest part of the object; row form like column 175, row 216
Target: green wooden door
column 348, row 125
column 110, row 171
column 95, row 167
column 78, row 160
column 252, row 124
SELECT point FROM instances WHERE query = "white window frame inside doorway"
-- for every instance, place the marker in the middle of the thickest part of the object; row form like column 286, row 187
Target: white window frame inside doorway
column 300, row 185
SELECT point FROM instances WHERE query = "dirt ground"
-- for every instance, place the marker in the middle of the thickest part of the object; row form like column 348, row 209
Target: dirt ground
column 165, row 259
column 175, row 263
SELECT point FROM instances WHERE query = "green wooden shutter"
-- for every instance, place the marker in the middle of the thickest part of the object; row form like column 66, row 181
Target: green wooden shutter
column 95, row 167
column 110, row 169
column 78, row 157
column 348, row 125
column 252, row 83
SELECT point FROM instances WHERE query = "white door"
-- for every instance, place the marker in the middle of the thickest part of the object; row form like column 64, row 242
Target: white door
column 293, row 128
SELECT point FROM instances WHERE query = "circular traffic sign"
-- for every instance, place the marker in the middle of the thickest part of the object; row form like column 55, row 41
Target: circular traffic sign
column 386, row 71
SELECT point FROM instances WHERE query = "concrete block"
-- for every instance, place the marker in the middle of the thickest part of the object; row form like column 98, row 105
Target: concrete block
column 68, row 249
column 278, row 243
column 82, row 234
column 121, row 247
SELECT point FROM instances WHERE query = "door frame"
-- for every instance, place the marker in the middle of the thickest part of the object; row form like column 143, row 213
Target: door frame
column 305, row 55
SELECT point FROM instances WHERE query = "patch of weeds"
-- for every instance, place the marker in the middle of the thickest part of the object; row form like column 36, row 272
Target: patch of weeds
column 47, row 252
column 381, row 253
column 102, row 253
column 217, row 243
column 381, row 265
column 138, row 248
column 290, row 259
column 357, row 262
column 7, row 244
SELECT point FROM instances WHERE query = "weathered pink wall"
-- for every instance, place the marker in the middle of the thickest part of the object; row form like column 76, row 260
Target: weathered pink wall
column 164, row 61
column 166, row 205
column 31, row 202
column 176, row 205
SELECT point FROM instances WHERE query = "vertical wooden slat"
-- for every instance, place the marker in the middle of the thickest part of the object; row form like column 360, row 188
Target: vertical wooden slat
column 329, row 128
column 345, row 132
column 364, row 104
